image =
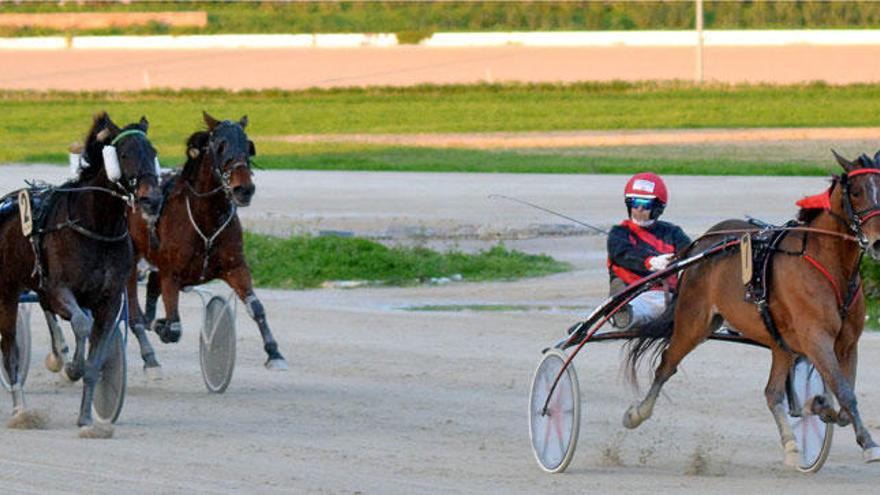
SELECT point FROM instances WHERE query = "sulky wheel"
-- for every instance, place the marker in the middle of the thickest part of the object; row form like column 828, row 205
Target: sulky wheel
column 812, row 435
column 554, row 434
column 22, row 346
column 217, row 345
column 110, row 389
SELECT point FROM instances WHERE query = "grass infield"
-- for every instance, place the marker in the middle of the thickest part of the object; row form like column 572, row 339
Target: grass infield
column 303, row 262
column 38, row 127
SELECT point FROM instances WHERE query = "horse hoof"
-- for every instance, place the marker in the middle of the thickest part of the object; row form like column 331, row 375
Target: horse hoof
column 53, row 364
column 69, row 376
column 28, row 420
column 96, row 430
column 153, row 373
column 632, row 419
column 871, row 454
column 278, row 364
column 792, row 455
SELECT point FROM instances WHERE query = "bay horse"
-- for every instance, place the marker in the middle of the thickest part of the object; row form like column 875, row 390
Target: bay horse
column 816, row 303
column 198, row 236
column 79, row 252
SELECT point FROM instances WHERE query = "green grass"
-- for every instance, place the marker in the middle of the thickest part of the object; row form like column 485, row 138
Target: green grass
column 560, row 161
column 427, row 17
column 37, row 127
column 304, row 262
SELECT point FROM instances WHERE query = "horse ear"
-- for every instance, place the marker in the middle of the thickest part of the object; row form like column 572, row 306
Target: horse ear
column 846, row 164
column 108, row 128
column 210, row 121
column 243, row 122
column 252, row 150
column 144, row 124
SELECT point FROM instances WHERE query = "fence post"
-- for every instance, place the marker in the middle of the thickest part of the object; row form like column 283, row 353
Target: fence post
column 699, row 28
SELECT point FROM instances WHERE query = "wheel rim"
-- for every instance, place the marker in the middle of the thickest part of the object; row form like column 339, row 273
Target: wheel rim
column 554, row 435
column 110, row 389
column 217, row 345
column 812, row 435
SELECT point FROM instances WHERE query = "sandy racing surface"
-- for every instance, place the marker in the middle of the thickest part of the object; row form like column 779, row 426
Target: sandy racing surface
column 300, row 68
column 383, row 400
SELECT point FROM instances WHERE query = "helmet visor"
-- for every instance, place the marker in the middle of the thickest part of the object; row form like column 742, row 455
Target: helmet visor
column 641, row 203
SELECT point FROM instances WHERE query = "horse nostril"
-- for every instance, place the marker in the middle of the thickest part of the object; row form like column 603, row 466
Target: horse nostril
column 876, row 246
column 244, row 191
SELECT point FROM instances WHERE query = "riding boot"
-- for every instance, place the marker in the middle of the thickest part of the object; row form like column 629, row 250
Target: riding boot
column 623, row 318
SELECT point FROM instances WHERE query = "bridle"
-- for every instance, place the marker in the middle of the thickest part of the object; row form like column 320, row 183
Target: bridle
column 220, row 169
column 856, row 219
column 129, row 187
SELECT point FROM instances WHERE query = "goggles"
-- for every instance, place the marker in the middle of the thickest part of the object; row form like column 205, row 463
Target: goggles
column 642, row 203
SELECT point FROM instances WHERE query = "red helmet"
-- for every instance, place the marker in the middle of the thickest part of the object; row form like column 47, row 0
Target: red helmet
column 646, row 185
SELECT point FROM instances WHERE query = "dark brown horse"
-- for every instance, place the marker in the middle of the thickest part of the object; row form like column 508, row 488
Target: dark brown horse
column 814, row 301
column 198, row 237
column 79, row 253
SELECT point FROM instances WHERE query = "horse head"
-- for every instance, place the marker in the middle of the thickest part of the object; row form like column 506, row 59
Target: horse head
column 129, row 161
column 230, row 152
column 860, row 200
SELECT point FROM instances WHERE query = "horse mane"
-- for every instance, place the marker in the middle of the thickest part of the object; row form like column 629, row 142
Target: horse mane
column 92, row 149
column 196, row 141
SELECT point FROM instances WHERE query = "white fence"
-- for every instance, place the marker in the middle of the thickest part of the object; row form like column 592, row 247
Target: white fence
column 535, row 39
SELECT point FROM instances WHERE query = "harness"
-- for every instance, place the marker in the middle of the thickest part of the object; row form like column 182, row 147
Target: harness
column 759, row 247
column 225, row 187
column 209, row 240
column 38, row 200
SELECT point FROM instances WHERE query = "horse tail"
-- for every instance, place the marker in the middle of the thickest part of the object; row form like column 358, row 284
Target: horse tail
column 652, row 339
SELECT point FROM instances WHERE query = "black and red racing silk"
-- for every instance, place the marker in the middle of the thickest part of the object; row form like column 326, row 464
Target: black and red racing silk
column 631, row 246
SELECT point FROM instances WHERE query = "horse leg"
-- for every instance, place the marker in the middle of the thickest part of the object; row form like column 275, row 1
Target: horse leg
column 848, row 356
column 8, row 337
column 65, row 305
column 240, row 281
column 775, row 393
column 153, row 291
column 169, row 329
column 58, row 356
column 138, row 326
column 692, row 322
column 820, row 351
column 100, row 340
column 821, row 406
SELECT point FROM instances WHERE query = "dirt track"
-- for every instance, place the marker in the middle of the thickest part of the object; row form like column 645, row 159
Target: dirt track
column 406, row 65
column 381, row 400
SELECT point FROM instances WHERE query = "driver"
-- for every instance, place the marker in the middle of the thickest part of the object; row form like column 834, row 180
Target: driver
column 642, row 244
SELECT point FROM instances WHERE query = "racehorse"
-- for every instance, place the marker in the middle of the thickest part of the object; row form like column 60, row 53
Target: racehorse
column 78, row 253
column 198, row 236
column 816, row 304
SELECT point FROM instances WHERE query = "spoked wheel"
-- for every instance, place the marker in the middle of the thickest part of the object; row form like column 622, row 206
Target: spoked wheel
column 22, row 346
column 217, row 345
column 554, row 433
column 812, row 435
column 110, row 389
